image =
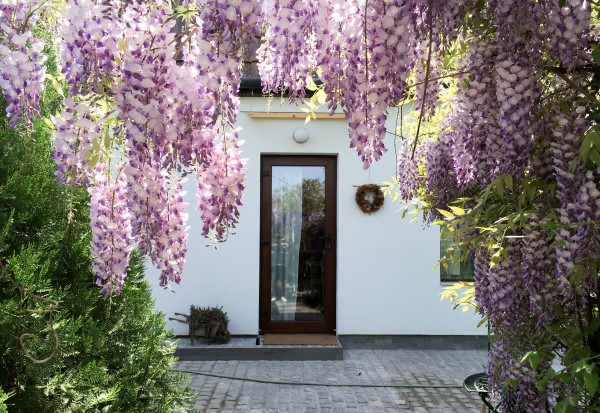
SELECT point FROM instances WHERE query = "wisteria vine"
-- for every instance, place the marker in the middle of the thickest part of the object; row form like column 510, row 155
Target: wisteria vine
column 511, row 175
column 153, row 96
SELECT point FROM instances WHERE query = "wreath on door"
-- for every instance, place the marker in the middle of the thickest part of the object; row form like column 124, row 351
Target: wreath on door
column 369, row 198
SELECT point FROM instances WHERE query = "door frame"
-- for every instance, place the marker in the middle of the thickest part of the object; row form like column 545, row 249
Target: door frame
column 328, row 325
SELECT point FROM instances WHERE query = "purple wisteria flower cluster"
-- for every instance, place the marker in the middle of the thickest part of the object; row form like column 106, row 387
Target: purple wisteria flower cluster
column 220, row 189
column 409, row 176
column 22, row 70
column 501, row 126
column 77, row 131
column 151, row 102
column 161, row 118
column 90, row 44
column 290, row 28
column 170, row 243
column 427, row 68
column 495, row 119
column 226, row 28
column 364, row 51
column 111, row 230
column 567, row 28
column 134, row 105
column 579, row 199
column 519, row 296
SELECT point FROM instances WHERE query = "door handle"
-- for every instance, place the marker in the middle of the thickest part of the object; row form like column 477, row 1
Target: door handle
column 327, row 240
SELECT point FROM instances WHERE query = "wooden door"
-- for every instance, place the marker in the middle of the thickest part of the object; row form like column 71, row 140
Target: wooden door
column 298, row 244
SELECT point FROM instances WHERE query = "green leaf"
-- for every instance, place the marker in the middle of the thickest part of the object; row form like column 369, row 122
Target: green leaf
column 313, row 99
column 496, row 257
column 447, row 214
column 500, row 187
column 591, row 382
column 310, row 83
column 458, row 211
column 595, row 135
column 122, row 44
column 534, row 360
column 321, row 96
column 595, row 157
column 590, row 141
column 562, row 406
column 586, row 145
column 542, row 384
column 579, row 366
column 57, row 87
column 508, row 180
column 596, row 51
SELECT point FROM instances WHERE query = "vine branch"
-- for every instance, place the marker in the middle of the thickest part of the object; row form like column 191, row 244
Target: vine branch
column 425, row 83
column 50, row 311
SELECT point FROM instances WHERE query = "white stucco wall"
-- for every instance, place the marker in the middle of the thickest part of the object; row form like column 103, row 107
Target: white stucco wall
column 386, row 281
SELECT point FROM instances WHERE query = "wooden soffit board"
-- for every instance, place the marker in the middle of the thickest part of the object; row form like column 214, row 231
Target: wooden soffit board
column 292, row 115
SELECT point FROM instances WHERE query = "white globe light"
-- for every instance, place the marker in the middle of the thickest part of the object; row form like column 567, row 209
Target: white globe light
column 300, row 135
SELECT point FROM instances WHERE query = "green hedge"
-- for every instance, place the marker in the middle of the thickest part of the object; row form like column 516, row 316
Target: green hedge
column 111, row 354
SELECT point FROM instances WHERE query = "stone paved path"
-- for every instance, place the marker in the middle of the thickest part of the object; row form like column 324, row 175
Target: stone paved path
column 375, row 367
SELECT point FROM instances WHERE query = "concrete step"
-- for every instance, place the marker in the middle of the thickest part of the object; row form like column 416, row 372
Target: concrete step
column 245, row 348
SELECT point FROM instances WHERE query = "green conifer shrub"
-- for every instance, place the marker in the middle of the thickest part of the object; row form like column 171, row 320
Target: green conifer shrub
column 107, row 355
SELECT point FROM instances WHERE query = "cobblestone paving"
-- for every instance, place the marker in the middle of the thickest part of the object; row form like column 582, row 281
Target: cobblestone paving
column 366, row 367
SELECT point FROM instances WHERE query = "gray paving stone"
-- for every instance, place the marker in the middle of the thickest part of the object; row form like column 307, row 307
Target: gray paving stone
column 365, row 367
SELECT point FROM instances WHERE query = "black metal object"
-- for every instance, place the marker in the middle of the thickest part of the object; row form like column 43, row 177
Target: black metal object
column 479, row 383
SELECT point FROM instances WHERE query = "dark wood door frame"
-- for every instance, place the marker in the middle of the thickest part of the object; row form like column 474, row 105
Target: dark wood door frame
column 329, row 293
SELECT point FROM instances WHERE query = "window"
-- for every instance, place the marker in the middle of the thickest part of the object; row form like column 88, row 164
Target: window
column 453, row 265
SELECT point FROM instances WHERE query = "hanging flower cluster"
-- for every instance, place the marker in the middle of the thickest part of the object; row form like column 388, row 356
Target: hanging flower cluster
column 502, row 127
column 111, row 230
column 504, row 286
column 578, row 197
column 475, row 128
column 567, row 28
column 132, row 103
column 154, row 97
column 290, row 29
column 225, row 29
column 220, row 189
column 22, row 70
column 170, row 243
column 409, row 176
column 365, row 51
column 90, row 48
column 77, row 134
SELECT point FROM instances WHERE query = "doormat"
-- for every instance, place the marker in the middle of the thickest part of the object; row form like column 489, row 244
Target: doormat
column 301, row 339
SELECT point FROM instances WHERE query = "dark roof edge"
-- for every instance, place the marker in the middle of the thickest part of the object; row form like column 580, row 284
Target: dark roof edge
column 251, row 86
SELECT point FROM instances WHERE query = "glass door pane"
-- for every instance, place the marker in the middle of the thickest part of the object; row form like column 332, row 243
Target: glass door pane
column 298, row 242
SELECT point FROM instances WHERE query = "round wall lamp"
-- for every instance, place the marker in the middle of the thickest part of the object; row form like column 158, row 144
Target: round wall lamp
column 300, row 135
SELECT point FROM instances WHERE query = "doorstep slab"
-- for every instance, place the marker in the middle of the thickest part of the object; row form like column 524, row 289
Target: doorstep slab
column 245, row 348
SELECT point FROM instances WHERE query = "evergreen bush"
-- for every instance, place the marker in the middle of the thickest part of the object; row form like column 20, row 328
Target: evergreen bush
column 107, row 355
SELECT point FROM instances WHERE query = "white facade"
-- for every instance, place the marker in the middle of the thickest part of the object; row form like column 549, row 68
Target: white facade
column 386, row 281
